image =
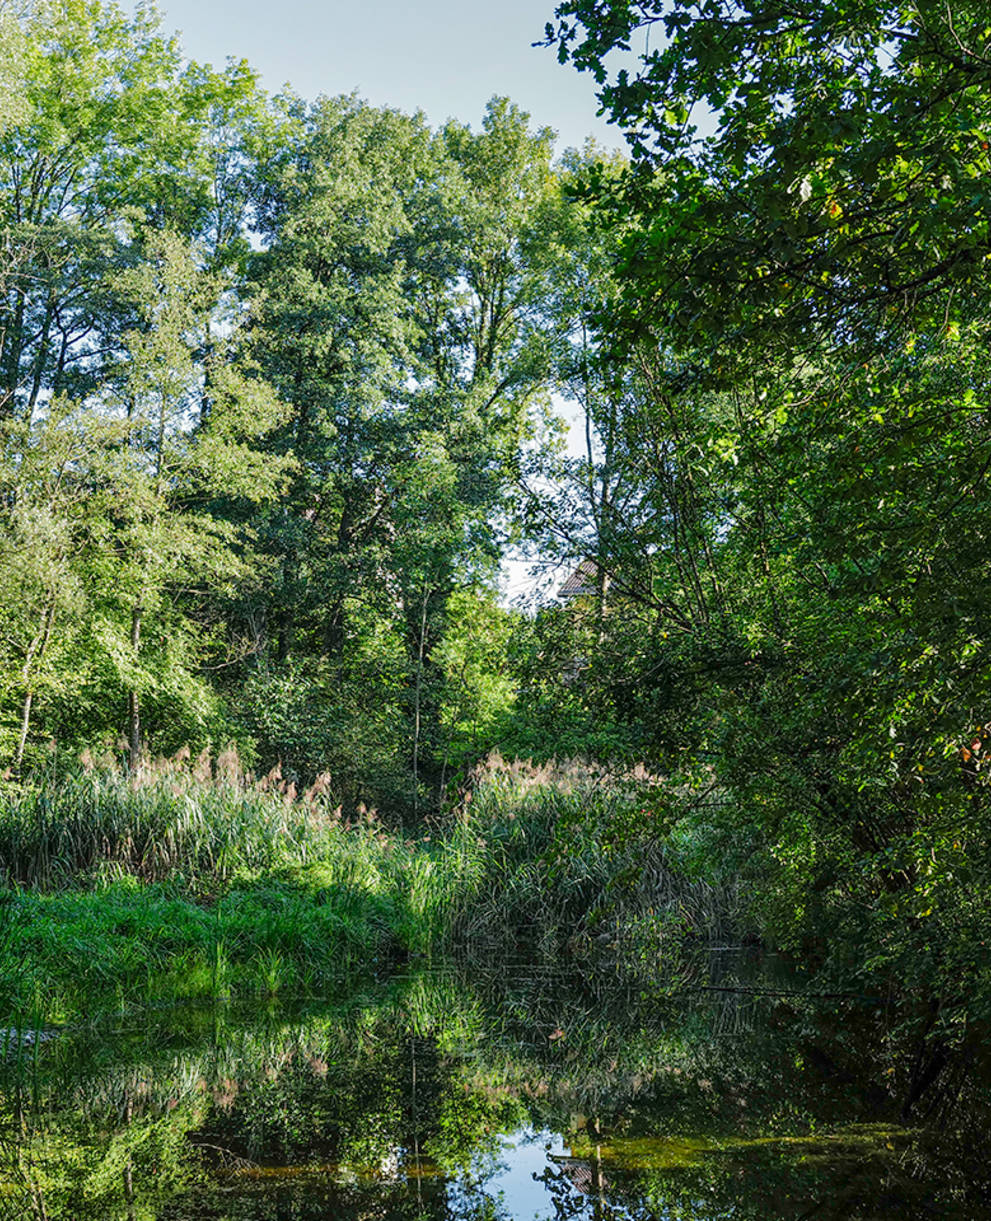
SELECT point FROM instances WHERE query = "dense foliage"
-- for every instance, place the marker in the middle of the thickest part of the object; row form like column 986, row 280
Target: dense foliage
column 267, row 371
column 799, row 351
column 276, row 383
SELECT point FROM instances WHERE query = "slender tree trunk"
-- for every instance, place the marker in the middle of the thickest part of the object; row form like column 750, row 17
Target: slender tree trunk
column 22, row 736
column 35, row 651
column 601, row 593
column 39, row 363
column 133, row 700
column 13, row 353
column 285, row 637
column 417, row 697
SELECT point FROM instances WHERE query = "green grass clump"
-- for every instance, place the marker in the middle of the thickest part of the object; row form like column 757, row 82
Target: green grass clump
column 66, row 955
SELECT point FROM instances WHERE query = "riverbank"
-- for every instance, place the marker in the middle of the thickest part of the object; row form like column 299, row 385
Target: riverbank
column 196, row 881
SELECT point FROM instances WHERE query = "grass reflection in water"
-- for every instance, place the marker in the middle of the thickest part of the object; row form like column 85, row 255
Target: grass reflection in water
column 462, row 1094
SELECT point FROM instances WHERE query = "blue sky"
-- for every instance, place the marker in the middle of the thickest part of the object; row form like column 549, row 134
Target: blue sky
column 446, row 57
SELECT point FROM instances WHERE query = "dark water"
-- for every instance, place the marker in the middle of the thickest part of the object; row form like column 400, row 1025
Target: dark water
column 464, row 1093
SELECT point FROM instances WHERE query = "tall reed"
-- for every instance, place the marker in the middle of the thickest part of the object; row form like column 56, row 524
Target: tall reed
column 575, row 855
column 194, row 879
column 198, row 820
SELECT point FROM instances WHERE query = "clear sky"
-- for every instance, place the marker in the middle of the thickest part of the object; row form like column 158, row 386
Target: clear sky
column 446, row 57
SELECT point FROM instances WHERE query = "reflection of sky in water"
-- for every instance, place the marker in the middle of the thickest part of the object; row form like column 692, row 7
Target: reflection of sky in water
column 524, row 1156
column 516, row 1183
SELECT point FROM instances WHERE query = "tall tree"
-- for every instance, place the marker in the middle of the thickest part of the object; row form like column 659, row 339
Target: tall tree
column 108, row 333
column 113, row 125
column 12, row 56
column 184, row 450
column 404, row 322
column 803, row 291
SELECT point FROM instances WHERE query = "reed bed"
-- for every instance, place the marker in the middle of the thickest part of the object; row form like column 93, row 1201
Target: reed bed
column 575, row 856
column 199, row 820
column 193, row 878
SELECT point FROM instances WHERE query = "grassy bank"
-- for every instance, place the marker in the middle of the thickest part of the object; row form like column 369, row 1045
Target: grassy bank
column 195, row 880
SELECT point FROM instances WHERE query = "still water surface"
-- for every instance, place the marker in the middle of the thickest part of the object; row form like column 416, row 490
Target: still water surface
column 465, row 1093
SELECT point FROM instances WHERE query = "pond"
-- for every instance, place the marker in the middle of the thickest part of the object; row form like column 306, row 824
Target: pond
column 462, row 1091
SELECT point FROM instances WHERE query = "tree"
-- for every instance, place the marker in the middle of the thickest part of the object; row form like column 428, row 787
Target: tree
column 807, row 211
column 97, row 143
column 406, row 321
column 809, row 329
column 126, row 408
column 51, row 519
column 12, row 48
column 184, row 449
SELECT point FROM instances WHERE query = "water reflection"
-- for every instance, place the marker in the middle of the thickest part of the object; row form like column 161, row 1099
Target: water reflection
column 462, row 1094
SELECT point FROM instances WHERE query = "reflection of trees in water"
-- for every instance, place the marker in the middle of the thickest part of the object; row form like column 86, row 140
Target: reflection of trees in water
column 571, row 1199
column 394, row 1104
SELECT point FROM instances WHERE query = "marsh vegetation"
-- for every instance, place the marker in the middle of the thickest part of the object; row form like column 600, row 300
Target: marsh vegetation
column 124, row 888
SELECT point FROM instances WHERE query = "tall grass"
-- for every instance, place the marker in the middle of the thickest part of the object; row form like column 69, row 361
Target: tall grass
column 578, row 857
column 198, row 821
column 193, row 879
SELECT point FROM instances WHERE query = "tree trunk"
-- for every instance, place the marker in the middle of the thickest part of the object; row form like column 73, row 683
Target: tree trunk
column 22, row 737
column 36, row 650
column 133, row 701
column 417, row 699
